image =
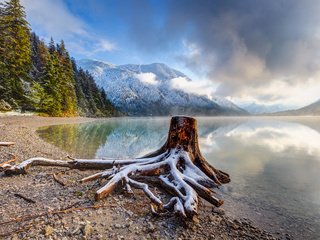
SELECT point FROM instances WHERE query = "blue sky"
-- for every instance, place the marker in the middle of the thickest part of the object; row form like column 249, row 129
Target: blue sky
column 98, row 29
column 267, row 52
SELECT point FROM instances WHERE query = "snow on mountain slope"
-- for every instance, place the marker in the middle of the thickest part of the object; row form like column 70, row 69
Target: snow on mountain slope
column 147, row 90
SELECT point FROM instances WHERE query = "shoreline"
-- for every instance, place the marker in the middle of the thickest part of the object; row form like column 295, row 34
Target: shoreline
column 121, row 217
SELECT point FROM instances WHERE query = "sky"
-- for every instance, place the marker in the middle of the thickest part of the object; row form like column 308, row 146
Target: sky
column 267, row 52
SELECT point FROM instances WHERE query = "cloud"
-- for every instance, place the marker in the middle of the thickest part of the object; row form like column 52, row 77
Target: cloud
column 106, row 45
column 53, row 18
column 195, row 87
column 282, row 92
column 245, row 46
column 147, row 78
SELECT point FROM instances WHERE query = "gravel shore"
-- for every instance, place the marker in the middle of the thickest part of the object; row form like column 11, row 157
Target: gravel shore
column 35, row 206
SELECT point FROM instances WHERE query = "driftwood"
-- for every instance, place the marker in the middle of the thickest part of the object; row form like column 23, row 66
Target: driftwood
column 6, row 144
column 6, row 164
column 177, row 166
column 29, row 200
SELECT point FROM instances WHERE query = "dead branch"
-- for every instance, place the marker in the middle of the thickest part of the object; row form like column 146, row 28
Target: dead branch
column 55, row 177
column 8, row 162
column 24, row 198
column 6, row 144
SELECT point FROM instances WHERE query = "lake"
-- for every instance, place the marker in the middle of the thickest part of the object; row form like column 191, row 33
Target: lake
column 274, row 163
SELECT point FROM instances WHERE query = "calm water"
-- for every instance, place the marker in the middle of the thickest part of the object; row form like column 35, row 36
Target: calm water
column 274, row 163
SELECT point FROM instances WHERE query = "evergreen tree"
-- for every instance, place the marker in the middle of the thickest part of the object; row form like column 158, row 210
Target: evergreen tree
column 15, row 60
column 52, row 102
column 52, row 47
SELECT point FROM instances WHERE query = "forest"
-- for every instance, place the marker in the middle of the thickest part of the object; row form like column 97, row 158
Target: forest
column 40, row 77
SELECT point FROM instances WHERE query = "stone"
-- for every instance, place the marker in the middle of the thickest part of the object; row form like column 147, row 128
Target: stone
column 15, row 237
column 117, row 225
column 87, row 229
column 48, row 230
column 219, row 211
column 196, row 220
column 151, row 227
column 4, row 106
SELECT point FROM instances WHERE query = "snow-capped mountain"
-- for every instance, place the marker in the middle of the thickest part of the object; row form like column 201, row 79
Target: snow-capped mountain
column 148, row 90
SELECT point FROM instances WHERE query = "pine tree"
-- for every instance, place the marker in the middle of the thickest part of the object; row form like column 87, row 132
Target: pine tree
column 51, row 104
column 52, row 47
column 68, row 84
column 15, row 60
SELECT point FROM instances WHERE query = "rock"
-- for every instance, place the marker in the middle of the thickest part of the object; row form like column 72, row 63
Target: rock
column 4, row 106
column 87, row 230
column 235, row 226
column 117, row 225
column 48, row 230
column 15, row 237
column 130, row 213
column 231, row 224
column 196, row 220
column 151, row 227
column 215, row 219
column 128, row 224
column 236, row 221
column 219, row 211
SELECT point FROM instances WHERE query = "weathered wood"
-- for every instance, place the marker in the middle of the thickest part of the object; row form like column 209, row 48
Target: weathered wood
column 178, row 166
column 29, row 200
column 6, row 144
column 8, row 162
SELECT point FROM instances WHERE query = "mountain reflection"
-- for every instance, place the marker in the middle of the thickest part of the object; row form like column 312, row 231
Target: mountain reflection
column 274, row 164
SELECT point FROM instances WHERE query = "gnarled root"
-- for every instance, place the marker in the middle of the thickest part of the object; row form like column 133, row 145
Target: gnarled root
column 178, row 167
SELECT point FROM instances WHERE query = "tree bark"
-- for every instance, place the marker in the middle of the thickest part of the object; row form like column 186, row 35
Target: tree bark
column 177, row 166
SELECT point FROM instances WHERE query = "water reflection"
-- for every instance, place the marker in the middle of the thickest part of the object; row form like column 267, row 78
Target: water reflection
column 274, row 164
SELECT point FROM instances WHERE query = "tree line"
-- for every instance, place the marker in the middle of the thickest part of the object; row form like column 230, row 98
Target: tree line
column 43, row 78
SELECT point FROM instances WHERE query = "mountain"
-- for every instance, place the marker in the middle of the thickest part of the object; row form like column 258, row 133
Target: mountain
column 148, row 90
column 312, row 109
column 256, row 108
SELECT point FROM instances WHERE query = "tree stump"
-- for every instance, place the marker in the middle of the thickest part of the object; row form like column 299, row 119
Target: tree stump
column 177, row 166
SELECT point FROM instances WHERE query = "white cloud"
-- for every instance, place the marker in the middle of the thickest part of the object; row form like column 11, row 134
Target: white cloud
column 106, row 45
column 204, row 87
column 147, row 78
column 282, row 92
column 52, row 18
